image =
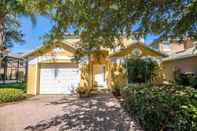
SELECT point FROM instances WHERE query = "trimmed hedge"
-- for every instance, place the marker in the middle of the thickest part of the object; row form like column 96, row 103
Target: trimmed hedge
column 186, row 79
column 162, row 108
column 11, row 95
column 21, row 86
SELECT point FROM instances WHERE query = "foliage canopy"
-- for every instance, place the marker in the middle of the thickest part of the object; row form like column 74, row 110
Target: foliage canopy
column 10, row 32
column 101, row 22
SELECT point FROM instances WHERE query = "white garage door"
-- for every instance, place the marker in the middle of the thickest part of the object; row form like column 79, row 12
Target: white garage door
column 58, row 78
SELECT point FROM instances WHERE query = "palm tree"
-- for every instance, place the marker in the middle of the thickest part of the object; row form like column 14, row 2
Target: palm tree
column 10, row 11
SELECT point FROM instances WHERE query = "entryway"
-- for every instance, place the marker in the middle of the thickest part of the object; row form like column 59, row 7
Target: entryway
column 99, row 75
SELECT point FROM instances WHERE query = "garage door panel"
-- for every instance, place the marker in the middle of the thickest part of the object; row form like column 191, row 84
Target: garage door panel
column 58, row 78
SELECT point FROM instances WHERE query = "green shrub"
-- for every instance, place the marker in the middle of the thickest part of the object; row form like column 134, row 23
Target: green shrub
column 185, row 79
column 21, row 86
column 141, row 70
column 11, row 95
column 162, row 108
column 193, row 81
column 83, row 91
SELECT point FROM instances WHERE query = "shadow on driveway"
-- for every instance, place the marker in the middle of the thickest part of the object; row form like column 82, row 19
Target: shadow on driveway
column 101, row 112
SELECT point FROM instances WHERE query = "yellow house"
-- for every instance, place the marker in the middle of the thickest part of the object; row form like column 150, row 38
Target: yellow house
column 52, row 69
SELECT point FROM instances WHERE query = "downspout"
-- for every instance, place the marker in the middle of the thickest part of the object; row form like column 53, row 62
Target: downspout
column 26, row 69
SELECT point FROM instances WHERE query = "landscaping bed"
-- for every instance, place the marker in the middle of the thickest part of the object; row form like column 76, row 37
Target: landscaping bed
column 166, row 108
column 12, row 92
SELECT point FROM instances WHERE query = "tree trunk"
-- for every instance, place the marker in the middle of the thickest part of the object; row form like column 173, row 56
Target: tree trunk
column 2, row 33
column 2, row 38
column 5, row 61
column 2, row 47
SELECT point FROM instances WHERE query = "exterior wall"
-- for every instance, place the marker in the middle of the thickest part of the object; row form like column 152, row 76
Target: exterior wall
column 32, row 79
column 185, row 65
column 85, row 77
column 118, row 75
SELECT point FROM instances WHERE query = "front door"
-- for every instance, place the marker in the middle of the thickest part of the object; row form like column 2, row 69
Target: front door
column 99, row 75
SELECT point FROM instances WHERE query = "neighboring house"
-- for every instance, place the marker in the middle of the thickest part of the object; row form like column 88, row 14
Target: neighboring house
column 185, row 61
column 52, row 70
column 12, row 67
column 169, row 48
column 181, row 56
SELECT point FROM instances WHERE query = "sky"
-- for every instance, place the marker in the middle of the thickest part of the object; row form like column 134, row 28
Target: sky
column 33, row 34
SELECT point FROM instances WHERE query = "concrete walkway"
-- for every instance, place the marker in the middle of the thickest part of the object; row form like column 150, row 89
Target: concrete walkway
column 101, row 112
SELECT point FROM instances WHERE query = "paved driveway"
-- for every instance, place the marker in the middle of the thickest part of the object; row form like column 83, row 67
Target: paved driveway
column 101, row 112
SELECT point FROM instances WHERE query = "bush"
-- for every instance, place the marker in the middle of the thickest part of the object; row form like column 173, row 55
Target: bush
column 141, row 70
column 11, row 95
column 193, row 81
column 83, row 91
column 162, row 108
column 186, row 79
column 21, row 86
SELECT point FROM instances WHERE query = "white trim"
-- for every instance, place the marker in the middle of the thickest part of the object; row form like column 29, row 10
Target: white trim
column 58, row 50
column 38, row 59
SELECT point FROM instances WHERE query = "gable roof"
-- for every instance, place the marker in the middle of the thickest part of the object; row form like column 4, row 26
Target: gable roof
column 68, row 44
column 127, row 50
